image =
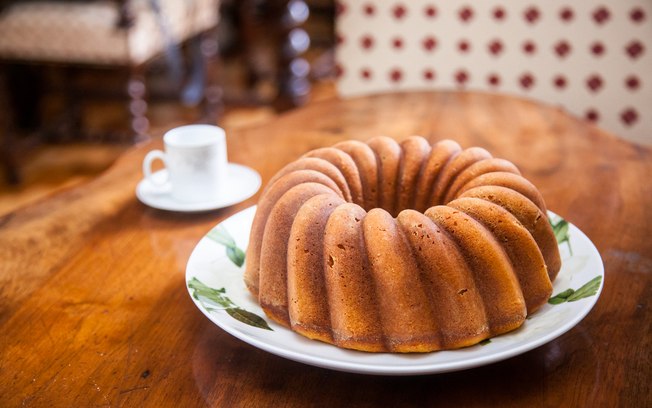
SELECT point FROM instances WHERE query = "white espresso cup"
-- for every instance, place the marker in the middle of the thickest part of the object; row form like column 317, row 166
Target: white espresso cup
column 195, row 158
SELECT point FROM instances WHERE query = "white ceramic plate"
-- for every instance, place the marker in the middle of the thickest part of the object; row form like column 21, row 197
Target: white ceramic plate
column 242, row 183
column 210, row 264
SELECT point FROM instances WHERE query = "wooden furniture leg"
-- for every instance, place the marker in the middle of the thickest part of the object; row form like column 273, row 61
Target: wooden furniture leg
column 276, row 25
column 292, row 69
column 212, row 101
column 136, row 89
column 7, row 139
column 20, row 89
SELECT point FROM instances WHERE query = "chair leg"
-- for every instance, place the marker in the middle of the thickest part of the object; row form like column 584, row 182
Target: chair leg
column 293, row 70
column 71, row 120
column 212, row 105
column 8, row 159
column 192, row 91
column 252, row 29
column 136, row 89
column 8, row 139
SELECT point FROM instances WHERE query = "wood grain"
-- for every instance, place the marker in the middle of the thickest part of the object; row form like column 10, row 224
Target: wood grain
column 94, row 310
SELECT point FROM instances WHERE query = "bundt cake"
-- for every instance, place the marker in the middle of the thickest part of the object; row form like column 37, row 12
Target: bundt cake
column 408, row 247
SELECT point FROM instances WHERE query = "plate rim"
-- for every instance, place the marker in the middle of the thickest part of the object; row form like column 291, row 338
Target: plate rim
column 387, row 368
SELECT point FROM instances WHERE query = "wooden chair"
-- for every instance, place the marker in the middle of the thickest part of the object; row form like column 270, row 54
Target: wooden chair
column 119, row 34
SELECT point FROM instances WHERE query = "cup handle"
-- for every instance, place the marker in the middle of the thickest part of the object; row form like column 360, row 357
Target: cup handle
column 147, row 167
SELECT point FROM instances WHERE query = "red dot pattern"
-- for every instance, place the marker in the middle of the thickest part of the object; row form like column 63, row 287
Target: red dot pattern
column 632, row 82
column 495, row 47
column 545, row 58
column 637, row 15
column 566, row 14
column 367, row 42
column 598, row 48
column 629, row 116
column 466, row 14
column 560, row 81
column 461, row 77
column 399, row 11
column 526, row 81
column 493, row 80
column 499, row 13
column 594, row 83
column 464, row 46
column 532, row 15
column 635, row 49
column 592, row 115
column 430, row 11
column 396, row 75
column 339, row 70
column 562, row 48
column 529, row 47
column 601, row 15
column 369, row 9
column 429, row 43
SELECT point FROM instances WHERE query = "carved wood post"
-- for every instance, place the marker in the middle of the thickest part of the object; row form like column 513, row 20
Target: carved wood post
column 212, row 101
column 8, row 135
column 293, row 69
column 136, row 89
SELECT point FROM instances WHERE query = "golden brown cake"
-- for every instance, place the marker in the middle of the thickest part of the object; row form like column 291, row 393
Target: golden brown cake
column 408, row 247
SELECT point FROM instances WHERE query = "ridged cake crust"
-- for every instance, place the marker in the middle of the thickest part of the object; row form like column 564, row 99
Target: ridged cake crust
column 401, row 247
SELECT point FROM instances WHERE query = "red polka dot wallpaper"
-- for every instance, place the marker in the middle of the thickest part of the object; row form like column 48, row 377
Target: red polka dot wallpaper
column 592, row 58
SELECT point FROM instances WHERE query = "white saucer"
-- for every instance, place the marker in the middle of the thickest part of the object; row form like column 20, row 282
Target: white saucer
column 242, row 183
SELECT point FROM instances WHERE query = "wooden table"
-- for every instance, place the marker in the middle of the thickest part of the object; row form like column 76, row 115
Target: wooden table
column 94, row 310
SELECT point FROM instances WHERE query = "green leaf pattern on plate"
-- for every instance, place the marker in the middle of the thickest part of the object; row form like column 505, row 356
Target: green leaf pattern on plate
column 220, row 235
column 560, row 228
column 215, row 299
column 570, row 295
column 247, row 317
